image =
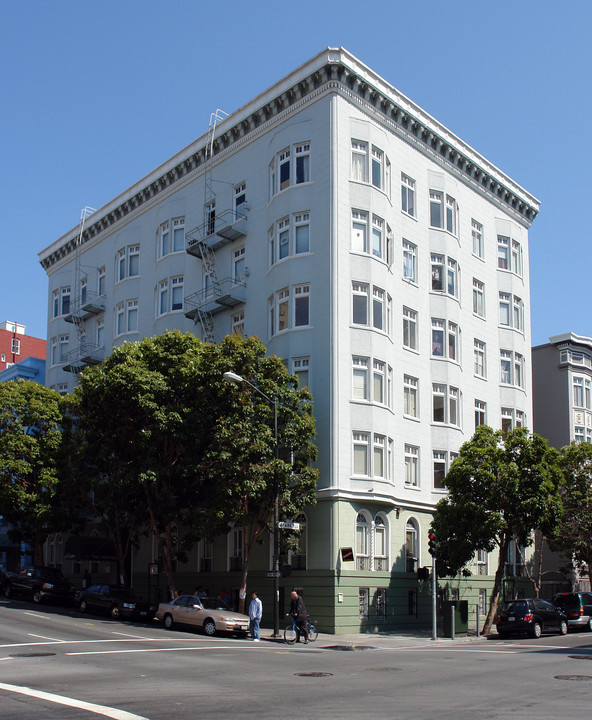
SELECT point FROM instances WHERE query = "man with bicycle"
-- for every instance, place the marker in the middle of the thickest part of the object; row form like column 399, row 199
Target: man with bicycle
column 298, row 612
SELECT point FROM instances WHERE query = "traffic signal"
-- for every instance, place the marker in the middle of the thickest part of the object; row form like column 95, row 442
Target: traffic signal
column 432, row 544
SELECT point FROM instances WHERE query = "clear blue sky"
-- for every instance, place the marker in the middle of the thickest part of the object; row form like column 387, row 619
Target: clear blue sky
column 97, row 94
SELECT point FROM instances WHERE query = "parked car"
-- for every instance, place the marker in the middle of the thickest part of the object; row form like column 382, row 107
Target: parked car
column 40, row 583
column 531, row 616
column 577, row 607
column 209, row 614
column 114, row 600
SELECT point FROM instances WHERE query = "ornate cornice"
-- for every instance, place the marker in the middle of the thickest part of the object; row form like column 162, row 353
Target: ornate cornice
column 333, row 71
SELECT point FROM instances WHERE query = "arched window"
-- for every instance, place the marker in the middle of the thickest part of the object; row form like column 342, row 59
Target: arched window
column 411, row 546
column 380, row 544
column 362, row 542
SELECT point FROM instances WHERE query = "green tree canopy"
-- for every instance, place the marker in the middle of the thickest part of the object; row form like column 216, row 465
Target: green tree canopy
column 502, row 487
column 574, row 533
column 30, row 461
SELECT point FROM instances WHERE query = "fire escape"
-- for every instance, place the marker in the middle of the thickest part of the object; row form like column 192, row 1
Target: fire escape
column 217, row 230
column 84, row 305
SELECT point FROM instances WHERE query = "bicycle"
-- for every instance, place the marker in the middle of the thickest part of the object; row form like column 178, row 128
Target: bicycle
column 291, row 632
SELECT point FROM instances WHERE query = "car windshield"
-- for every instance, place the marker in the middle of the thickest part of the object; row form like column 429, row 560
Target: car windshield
column 214, row 604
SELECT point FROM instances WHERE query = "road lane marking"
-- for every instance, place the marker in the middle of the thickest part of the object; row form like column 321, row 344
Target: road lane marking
column 104, row 710
column 44, row 637
column 169, row 649
column 139, row 637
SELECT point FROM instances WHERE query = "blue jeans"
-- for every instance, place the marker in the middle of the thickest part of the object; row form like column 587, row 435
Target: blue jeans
column 254, row 627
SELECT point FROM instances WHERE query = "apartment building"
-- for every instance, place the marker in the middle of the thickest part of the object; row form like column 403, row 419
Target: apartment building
column 384, row 259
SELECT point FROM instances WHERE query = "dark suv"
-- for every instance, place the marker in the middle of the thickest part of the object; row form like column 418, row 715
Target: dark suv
column 577, row 607
column 531, row 616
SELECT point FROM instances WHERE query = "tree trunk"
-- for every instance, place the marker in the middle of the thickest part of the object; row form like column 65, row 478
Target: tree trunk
column 497, row 584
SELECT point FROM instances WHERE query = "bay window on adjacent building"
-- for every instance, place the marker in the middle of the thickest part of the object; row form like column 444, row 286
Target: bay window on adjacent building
column 170, row 295
column 446, row 405
column 282, row 316
column 289, row 236
column 445, row 339
column 512, row 368
column 291, row 166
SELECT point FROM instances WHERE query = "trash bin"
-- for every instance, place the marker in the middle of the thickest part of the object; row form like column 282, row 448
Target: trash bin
column 461, row 617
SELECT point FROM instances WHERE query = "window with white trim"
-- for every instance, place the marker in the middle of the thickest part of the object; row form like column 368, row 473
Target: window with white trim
column 210, row 216
column 280, row 311
column 579, row 434
column 361, row 442
column 480, row 413
column 377, row 237
column 411, row 546
column 511, row 368
column 128, row 262
column 372, row 464
column 83, row 290
column 101, row 281
column 578, row 392
column 240, row 199
column 451, row 214
column 407, row 195
column 238, row 265
column 359, row 161
column 477, row 235
column 301, row 305
column 360, row 303
column 238, row 323
column 478, row 298
column 482, row 569
column 289, row 236
column 61, row 301
column 360, row 378
column 436, row 209
column 511, row 311
column 170, row 295
column 409, row 261
column 410, row 396
column 58, row 349
column 291, row 166
column 378, row 309
column 126, row 317
column 440, row 462
column 409, row 328
column 520, row 418
column 479, row 363
column 445, row 339
column 359, row 231
column 300, row 368
column 15, row 346
column 445, row 405
column 380, row 557
column 100, row 333
column 301, row 233
column 411, row 465
column 445, row 275
column 509, row 255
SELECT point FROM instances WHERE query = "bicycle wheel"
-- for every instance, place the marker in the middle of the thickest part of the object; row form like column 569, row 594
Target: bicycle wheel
column 290, row 634
column 312, row 632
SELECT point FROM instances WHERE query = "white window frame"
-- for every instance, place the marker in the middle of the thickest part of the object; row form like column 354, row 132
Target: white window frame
column 407, row 195
column 437, row 209
column 359, row 236
column 410, row 396
column 359, row 291
column 478, row 298
column 480, row 413
column 409, row 261
column 411, row 465
column 450, row 405
column 359, row 170
column 361, row 454
column 301, row 305
column 410, row 329
column 439, row 465
column 301, row 368
column 238, row 323
column 360, row 378
column 477, row 235
column 101, row 281
column 479, row 358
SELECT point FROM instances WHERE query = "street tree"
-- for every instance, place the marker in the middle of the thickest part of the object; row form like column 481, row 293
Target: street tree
column 249, row 471
column 501, row 488
column 574, row 532
column 30, row 461
column 141, row 421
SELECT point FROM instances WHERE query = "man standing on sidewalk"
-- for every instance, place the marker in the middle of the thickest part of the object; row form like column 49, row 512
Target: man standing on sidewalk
column 255, row 612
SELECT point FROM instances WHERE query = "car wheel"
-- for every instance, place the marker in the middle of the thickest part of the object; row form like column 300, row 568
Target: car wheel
column 209, row 627
column 115, row 612
column 8, row 591
column 589, row 625
column 563, row 627
column 536, row 630
column 37, row 597
column 168, row 622
column 83, row 606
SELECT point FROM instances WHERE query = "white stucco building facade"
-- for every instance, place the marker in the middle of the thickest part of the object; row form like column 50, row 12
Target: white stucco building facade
column 379, row 255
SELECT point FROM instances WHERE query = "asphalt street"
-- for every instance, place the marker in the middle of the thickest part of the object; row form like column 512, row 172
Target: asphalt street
column 55, row 662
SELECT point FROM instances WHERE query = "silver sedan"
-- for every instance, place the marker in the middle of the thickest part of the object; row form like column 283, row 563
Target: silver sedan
column 209, row 614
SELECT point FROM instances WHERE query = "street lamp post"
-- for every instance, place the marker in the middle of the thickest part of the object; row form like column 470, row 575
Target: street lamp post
column 235, row 379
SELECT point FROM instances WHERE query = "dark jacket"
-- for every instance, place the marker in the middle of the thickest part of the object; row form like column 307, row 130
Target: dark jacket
column 298, row 609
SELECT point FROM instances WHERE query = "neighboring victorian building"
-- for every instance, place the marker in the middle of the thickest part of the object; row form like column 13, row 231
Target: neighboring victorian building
column 383, row 258
column 562, row 410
